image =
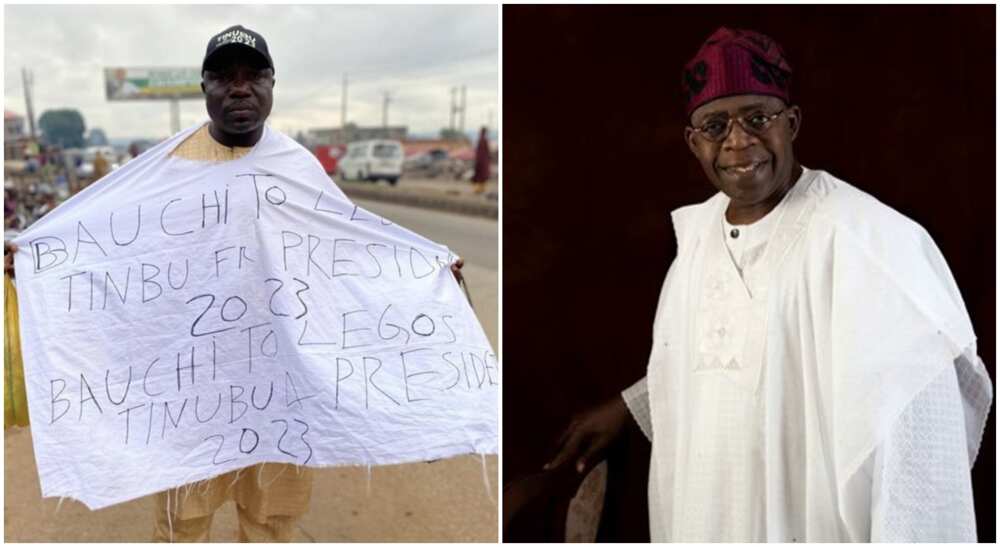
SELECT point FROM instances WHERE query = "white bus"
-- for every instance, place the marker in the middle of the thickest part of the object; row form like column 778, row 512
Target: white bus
column 372, row 160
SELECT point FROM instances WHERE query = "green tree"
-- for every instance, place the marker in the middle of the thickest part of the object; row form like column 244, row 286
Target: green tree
column 63, row 127
column 96, row 137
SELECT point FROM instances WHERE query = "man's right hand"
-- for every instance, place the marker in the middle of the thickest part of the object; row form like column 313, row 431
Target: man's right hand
column 590, row 434
column 8, row 258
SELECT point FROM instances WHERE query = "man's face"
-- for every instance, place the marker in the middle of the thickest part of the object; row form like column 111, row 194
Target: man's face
column 746, row 167
column 238, row 90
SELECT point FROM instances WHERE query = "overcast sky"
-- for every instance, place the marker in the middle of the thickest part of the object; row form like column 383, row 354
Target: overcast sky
column 416, row 53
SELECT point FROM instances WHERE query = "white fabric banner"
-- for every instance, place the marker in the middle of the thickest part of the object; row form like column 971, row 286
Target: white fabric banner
column 181, row 319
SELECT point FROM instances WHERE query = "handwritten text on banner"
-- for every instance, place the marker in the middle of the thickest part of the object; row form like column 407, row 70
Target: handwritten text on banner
column 182, row 319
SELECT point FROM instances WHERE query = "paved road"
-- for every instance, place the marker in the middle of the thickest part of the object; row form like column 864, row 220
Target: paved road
column 473, row 238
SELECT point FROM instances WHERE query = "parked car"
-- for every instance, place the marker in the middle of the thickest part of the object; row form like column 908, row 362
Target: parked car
column 426, row 159
column 85, row 170
column 372, row 160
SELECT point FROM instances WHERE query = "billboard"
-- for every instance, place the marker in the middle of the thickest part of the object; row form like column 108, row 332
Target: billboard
column 152, row 83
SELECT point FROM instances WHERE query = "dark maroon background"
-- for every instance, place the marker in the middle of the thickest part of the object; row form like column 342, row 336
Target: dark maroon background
column 897, row 100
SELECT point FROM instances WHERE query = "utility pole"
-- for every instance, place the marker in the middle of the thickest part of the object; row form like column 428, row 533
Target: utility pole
column 385, row 112
column 451, row 111
column 461, row 112
column 28, row 79
column 343, row 108
column 457, row 107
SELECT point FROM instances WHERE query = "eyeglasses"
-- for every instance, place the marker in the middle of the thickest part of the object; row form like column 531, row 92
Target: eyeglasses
column 755, row 123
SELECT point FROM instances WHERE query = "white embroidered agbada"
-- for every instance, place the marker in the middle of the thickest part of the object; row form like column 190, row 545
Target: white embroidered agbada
column 827, row 389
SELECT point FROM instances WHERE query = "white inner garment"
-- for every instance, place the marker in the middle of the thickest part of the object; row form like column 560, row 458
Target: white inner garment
column 751, row 240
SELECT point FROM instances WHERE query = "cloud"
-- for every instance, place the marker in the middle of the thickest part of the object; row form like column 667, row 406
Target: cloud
column 415, row 53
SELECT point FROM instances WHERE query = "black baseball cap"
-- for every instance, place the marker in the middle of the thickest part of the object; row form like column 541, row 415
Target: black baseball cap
column 237, row 36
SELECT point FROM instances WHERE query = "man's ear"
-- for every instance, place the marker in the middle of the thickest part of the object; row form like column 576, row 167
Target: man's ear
column 689, row 138
column 203, row 87
column 794, row 121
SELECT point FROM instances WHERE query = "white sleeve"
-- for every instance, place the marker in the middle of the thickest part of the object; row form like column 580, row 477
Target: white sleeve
column 637, row 400
column 921, row 483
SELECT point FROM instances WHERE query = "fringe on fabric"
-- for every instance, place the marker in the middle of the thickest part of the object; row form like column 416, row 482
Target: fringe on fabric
column 272, row 481
column 170, row 522
column 486, row 479
column 235, row 480
column 206, row 486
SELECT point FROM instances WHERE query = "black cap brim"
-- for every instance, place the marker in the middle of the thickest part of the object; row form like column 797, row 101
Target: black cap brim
column 246, row 50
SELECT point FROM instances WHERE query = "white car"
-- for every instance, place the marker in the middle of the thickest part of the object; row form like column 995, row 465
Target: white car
column 372, row 160
column 85, row 170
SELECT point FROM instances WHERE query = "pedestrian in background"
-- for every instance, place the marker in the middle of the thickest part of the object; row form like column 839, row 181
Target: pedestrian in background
column 101, row 166
column 482, row 172
column 9, row 209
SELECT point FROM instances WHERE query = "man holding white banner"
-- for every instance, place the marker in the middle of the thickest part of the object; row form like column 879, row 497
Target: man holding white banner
column 216, row 304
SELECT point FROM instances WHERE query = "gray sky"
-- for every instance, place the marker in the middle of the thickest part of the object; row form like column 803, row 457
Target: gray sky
column 416, row 53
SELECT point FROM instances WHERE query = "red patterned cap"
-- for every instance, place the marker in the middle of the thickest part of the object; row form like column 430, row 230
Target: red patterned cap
column 735, row 62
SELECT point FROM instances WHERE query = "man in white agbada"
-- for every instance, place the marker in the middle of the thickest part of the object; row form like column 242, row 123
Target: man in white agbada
column 813, row 375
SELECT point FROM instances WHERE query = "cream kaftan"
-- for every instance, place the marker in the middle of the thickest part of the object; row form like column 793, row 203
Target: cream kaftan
column 270, row 498
column 816, row 380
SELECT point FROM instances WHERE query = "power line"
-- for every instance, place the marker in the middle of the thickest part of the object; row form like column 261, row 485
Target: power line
column 389, row 70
